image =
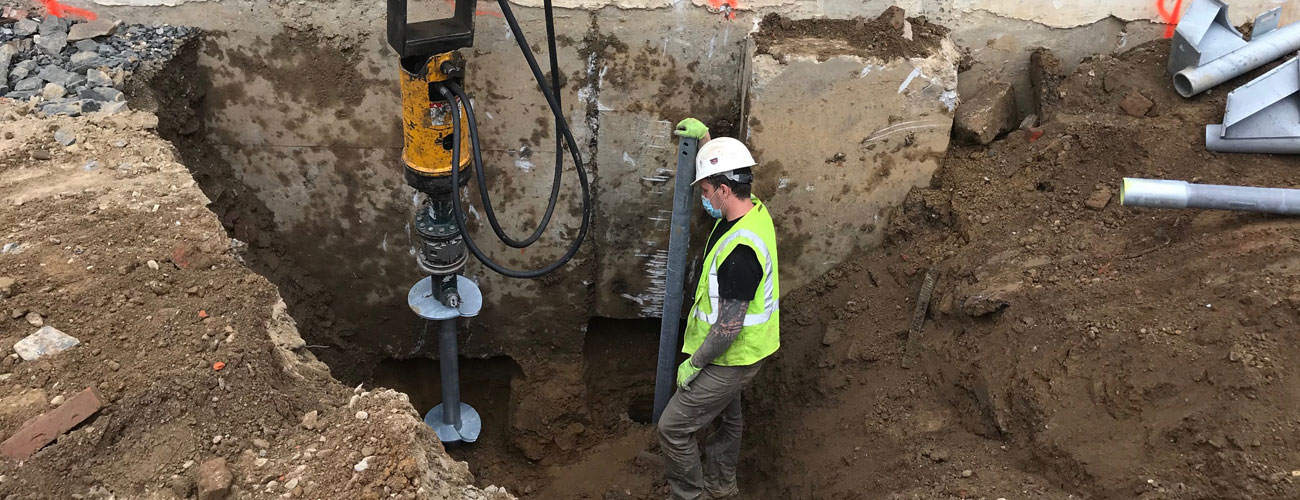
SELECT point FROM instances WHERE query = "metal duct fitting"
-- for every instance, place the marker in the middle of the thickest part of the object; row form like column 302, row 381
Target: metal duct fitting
column 1208, row 51
column 1262, row 116
column 1182, row 194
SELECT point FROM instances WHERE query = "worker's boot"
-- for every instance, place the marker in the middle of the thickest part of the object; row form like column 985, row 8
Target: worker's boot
column 713, row 491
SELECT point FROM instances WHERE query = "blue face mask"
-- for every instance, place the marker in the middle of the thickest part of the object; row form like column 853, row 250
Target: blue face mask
column 716, row 213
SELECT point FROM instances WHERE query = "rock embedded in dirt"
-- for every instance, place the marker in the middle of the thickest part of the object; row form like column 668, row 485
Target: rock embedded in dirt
column 31, row 83
column 7, row 286
column 1099, row 199
column 53, row 25
column 53, row 91
column 182, row 485
column 35, row 319
column 983, row 305
column 990, row 113
column 1136, row 104
column 92, row 29
column 41, row 154
column 65, row 108
column 52, row 44
column 1112, row 82
column 214, row 479
column 311, row 420
column 45, row 342
column 102, row 94
column 97, row 78
column 86, row 45
column 894, row 16
column 55, row 74
column 26, row 27
column 64, row 137
column 7, row 53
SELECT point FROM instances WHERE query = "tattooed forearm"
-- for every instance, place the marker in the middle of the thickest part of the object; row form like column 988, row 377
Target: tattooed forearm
column 731, row 317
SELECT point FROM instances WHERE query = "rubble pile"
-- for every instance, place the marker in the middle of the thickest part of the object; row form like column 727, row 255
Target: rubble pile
column 72, row 68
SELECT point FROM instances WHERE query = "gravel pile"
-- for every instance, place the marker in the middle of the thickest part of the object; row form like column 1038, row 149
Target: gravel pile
column 71, row 68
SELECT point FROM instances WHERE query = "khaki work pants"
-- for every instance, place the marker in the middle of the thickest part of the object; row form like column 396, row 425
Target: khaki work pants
column 713, row 395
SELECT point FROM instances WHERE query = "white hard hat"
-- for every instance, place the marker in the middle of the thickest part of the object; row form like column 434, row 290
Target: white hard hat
column 719, row 155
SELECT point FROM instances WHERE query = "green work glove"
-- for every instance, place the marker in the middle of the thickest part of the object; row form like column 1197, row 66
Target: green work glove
column 686, row 372
column 692, row 128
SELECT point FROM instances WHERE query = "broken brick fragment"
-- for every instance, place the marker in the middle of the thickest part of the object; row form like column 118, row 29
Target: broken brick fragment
column 44, row 429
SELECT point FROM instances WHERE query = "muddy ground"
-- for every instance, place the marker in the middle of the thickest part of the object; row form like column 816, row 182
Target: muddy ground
column 110, row 241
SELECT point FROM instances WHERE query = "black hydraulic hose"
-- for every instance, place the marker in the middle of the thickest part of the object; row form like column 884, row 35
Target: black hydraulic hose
column 449, row 92
column 479, row 171
column 452, row 92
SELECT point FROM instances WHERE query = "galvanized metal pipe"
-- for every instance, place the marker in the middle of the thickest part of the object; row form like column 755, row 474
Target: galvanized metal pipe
column 1260, row 51
column 1182, row 194
column 448, row 365
column 675, row 278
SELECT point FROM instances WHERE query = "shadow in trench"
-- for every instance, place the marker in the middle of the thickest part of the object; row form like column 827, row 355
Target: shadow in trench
column 619, row 360
column 325, row 273
column 484, row 384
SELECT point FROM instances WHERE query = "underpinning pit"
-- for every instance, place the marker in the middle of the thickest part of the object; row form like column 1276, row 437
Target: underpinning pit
column 830, row 405
column 603, row 408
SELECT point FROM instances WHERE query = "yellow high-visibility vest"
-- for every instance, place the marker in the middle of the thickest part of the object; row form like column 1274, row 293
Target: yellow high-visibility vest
column 760, row 334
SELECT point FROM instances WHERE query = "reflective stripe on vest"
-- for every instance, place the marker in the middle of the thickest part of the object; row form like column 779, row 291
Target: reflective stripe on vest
column 770, row 301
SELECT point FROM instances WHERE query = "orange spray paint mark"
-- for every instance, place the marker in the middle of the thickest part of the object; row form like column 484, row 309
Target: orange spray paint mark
column 1170, row 18
column 726, row 7
column 56, row 9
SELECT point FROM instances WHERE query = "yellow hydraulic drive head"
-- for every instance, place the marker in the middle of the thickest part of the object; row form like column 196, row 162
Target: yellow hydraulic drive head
column 427, row 127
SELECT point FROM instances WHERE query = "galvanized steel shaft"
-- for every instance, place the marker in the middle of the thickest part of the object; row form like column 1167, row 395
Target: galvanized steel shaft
column 1181, row 194
column 448, row 365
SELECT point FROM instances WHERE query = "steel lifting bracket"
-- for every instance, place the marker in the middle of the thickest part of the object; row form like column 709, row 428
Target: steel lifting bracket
column 1207, row 50
column 1262, row 116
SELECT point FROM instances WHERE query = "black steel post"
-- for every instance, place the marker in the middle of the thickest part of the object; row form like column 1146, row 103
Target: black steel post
column 678, row 239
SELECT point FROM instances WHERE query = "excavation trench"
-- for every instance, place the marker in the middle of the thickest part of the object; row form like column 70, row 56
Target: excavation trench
column 385, row 345
column 562, row 418
column 566, row 392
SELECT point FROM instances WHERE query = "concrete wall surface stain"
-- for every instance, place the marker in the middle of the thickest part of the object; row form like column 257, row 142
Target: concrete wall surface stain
column 841, row 141
column 302, row 105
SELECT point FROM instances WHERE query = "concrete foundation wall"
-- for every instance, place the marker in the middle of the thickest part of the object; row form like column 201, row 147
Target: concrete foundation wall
column 841, row 141
column 301, row 103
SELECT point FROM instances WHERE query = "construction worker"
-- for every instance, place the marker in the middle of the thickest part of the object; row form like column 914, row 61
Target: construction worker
column 732, row 327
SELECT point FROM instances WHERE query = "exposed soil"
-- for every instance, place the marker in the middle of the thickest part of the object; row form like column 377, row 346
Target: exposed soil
column 881, row 37
column 1141, row 353
column 112, row 244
